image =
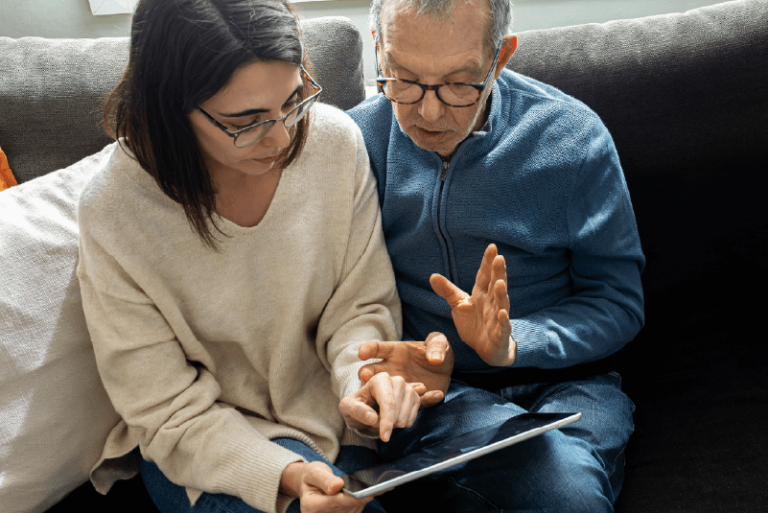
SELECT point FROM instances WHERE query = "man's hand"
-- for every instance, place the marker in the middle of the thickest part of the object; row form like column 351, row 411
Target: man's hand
column 429, row 362
column 383, row 403
column 482, row 319
column 318, row 489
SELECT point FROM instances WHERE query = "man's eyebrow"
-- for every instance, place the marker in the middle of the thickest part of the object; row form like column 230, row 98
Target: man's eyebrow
column 469, row 67
column 251, row 112
column 391, row 62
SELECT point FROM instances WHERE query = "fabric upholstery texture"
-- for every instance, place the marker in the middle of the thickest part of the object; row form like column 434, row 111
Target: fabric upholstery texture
column 66, row 82
column 55, row 412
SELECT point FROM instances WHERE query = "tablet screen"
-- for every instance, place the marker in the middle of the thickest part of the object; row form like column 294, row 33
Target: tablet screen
column 453, row 451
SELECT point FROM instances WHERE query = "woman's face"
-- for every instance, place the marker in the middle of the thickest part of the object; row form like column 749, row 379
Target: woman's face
column 256, row 92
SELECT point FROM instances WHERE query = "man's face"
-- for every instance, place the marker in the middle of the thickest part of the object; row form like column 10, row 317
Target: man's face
column 432, row 51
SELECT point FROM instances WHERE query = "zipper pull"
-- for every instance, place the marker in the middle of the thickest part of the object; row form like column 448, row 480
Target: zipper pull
column 444, row 171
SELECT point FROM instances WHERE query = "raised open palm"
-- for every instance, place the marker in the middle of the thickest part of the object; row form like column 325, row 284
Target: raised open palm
column 482, row 319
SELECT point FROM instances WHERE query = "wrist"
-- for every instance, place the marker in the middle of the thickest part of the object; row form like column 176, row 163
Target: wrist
column 290, row 481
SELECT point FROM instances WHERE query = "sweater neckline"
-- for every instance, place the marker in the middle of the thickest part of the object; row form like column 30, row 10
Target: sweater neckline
column 231, row 226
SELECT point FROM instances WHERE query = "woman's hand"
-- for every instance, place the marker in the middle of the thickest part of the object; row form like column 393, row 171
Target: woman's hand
column 383, row 403
column 318, row 489
column 482, row 319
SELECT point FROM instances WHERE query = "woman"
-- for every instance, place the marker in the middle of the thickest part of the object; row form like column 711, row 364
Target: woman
column 231, row 265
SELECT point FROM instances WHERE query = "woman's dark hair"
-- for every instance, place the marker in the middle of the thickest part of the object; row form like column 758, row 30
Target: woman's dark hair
column 183, row 52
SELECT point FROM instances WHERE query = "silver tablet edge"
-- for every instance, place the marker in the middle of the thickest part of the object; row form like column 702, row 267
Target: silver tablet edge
column 461, row 459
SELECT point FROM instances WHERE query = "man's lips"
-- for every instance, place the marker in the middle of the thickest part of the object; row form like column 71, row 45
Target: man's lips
column 429, row 133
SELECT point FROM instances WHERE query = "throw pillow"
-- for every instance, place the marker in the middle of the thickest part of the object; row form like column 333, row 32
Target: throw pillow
column 54, row 412
column 7, row 179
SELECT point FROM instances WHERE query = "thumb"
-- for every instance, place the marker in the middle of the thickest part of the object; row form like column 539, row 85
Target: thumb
column 444, row 288
column 437, row 348
column 376, row 349
column 322, row 477
column 334, row 484
column 431, row 398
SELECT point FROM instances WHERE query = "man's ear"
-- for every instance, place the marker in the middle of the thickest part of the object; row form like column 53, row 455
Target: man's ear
column 508, row 47
column 378, row 50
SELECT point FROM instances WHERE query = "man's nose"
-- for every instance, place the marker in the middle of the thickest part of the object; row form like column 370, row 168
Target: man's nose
column 430, row 107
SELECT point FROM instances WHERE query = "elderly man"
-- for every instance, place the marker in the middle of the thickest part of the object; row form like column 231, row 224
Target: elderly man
column 477, row 164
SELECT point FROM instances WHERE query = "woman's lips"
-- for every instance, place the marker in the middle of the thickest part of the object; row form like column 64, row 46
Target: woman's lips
column 267, row 160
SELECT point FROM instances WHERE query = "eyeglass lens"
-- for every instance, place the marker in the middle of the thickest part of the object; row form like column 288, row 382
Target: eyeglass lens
column 452, row 94
column 251, row 135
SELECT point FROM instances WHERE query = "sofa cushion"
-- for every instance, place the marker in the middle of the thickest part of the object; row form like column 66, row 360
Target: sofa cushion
column 51, row 99
column 54, row 410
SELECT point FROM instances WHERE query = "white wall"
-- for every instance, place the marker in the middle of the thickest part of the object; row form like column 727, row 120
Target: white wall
column 73, row 18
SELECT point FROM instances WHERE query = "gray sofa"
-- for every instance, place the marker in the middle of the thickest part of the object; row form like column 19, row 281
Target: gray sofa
column 686, row 99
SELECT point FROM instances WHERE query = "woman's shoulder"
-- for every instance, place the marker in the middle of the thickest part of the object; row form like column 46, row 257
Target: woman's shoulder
column 120, row 187
column 330, row 122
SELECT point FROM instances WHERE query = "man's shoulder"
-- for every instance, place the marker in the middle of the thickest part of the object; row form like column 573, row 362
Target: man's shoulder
column 539, row 111
column 543, row 95
column 373, row 115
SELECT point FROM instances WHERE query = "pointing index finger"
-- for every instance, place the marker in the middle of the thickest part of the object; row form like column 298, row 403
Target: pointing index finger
column 382, row 393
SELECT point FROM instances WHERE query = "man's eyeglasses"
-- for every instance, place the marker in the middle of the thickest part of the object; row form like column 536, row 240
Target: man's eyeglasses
column 250, row 134
column 453, row 94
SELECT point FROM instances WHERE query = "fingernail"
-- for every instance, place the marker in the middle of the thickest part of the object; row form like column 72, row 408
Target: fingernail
column 370, row 417
column 386, row 435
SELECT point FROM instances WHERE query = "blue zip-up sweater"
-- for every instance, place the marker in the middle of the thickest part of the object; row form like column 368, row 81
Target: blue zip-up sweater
column 543, row 182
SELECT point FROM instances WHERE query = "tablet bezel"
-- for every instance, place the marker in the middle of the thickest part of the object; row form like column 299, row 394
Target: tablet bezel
column 461, row 458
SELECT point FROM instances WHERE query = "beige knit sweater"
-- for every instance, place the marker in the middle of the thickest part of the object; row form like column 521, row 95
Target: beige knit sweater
column 207, row 356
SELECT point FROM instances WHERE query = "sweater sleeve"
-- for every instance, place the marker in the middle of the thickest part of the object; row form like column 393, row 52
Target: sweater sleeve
column 606, row 309
column 365, row 304
column 161, row 390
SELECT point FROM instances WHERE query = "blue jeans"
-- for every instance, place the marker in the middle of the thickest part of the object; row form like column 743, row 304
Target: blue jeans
column 579, row 468
column 171, row 498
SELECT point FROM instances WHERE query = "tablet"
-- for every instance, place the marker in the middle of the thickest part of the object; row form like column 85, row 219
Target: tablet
column 453, row 451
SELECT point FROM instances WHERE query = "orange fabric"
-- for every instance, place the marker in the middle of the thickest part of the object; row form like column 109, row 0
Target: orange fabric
column 7, row 179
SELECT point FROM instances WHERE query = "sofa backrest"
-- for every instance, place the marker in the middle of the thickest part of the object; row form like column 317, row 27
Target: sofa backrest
column 52, row 91
column 685, row 97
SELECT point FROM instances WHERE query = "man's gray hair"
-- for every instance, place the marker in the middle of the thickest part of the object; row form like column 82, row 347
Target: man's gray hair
column 499, row 11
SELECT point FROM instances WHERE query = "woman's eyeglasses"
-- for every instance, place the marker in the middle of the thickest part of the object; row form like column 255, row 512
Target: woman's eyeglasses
column 250, row 134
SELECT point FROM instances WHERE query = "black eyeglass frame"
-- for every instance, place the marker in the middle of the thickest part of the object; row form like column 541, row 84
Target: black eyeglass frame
column 308, row 102
column 381, row 81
